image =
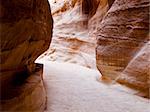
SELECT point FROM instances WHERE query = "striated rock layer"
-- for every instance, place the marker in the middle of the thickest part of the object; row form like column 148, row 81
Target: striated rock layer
column 99, row 12
column 26, row 31
column 74, row 24
column 122, row 43
column 137, row 74
column 22, row 94
column 71, row 42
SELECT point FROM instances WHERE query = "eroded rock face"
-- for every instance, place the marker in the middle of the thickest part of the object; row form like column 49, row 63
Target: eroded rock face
column 71, row 42
column 74, row 24
column 26, row 31
column 99, row 13
column 90, row 6
column 136, row 74
column 120, row 37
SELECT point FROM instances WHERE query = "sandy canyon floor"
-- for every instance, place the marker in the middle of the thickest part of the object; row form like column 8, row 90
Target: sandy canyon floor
column 74, row 88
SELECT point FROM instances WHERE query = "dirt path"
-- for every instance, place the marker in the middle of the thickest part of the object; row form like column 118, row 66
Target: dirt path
column 73, row 88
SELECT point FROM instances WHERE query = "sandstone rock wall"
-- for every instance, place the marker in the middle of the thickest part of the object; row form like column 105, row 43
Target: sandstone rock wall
column 74, row 24
column 96, row 19
column 71, row 42
column 25, row 31
column 120, row 37
column 137, row 74
column 90, row 6
column 24, row 27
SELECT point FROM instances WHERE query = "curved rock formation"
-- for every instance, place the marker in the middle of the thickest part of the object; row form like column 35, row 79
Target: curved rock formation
column 120, row 37
column 70, row 38
column 95, row 20
column 26, row 31
column 137, row 73
column 90, row 6
column 74, row 24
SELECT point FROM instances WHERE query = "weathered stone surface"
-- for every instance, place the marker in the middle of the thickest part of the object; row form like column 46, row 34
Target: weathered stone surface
column 25, row 31
column 136, row 74
column 120, row 36
column 71, row 42
column 95, row 20
column 74, row 24
column 24, row 94
column 90, row 6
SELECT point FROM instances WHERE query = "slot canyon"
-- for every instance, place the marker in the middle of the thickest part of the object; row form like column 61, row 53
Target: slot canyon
column 74, row 56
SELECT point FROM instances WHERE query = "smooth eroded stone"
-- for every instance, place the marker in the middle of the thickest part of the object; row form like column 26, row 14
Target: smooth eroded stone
column 25, row 33
column 23, row 93
column 121, row 34
column 137, row 74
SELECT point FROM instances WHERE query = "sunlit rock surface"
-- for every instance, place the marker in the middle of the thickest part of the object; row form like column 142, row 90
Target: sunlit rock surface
column 121, row 36
column 25, row 31
column 75, row 24
column 71, row 42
